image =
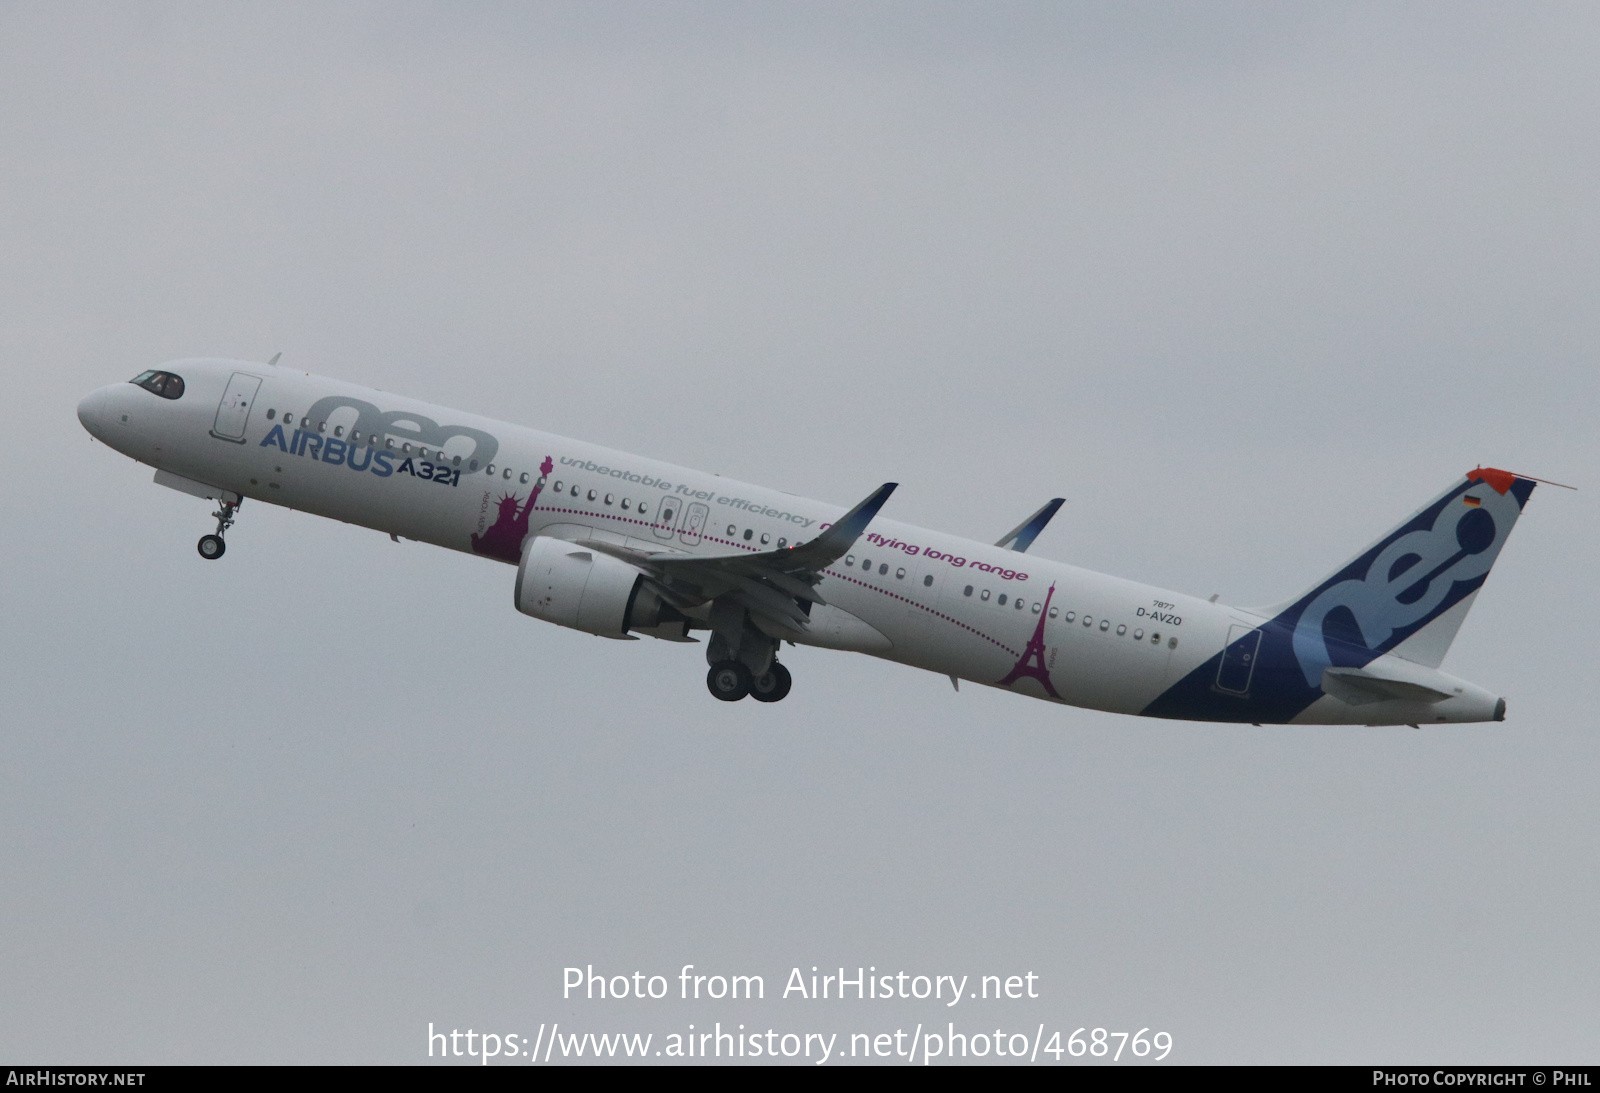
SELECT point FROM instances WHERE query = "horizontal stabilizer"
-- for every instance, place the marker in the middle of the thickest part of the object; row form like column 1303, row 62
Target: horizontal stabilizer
column 1360, row 686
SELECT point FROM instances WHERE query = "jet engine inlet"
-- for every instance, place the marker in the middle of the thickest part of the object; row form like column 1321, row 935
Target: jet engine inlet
column 571, row 585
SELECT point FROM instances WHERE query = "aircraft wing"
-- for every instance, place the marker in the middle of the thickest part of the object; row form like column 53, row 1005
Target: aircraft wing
column 1021, row 537
column 771, row 584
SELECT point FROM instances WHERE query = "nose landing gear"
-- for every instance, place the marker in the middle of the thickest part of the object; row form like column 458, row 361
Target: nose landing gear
column 211, row 547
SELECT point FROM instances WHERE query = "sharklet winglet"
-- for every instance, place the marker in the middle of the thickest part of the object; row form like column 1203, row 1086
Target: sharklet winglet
column 819, row 553
column 1021, row 537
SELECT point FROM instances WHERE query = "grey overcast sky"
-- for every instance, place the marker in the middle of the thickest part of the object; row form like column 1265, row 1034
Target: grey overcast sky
column 1245, row 283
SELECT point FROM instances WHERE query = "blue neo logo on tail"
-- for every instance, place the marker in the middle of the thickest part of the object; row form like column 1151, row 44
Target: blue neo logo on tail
column 1411, row 579
column 1401, row 588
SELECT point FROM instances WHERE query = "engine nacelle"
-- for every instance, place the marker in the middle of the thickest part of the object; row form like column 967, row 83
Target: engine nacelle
column 572, row 585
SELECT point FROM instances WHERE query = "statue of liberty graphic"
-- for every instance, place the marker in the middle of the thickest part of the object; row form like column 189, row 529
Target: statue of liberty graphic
column 503, row 538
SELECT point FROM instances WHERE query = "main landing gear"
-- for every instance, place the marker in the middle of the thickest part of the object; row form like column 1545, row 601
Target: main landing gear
column 744, row 660
column 730, row 681
column 772, row 686
column 211, row 547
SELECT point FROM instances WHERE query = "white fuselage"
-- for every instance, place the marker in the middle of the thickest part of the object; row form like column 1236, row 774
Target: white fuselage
column 950, row 605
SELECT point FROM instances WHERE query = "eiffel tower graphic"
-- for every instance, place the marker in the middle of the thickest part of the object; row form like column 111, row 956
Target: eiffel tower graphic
column 1032, row 662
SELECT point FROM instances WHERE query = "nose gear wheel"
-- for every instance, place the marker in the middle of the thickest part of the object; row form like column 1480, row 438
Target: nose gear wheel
column 211, row 547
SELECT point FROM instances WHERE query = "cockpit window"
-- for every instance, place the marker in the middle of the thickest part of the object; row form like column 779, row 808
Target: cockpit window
column 164, row 384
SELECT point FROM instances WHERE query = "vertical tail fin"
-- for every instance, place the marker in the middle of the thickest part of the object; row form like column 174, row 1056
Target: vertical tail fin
column 1408, row 593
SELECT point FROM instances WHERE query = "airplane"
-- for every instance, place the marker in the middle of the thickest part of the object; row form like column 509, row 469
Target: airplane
column 619, row 546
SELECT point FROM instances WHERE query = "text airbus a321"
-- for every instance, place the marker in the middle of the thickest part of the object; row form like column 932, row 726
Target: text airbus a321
column 619, row 546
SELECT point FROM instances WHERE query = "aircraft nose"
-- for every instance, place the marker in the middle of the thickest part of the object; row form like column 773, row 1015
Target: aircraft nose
column 94, row 412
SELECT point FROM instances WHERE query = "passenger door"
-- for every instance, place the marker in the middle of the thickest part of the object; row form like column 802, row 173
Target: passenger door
column 233, row 413
column 1238, row 659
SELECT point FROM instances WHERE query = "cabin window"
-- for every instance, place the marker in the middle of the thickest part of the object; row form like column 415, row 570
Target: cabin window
column 1001, row 599
column 505, row 473
column 1155, row 638
column 487, row 470
column 967, row 591
column 899, row 574
column 575, row 490
column 883, row 570
column 984, row 595
column 1172, row 643
column 338, row 430
column 1054, row 611
column 625, row 504
column 272, row 414
column 1037, row 608
column 524, row 479
column 288, row 419
column 642, row 508
column 470, row 466
column 322, row 427
column 1138, row 635
column 559, row 486
column 732, row 531
column 1088, row 620
column 610, row 498
column 591, row 495
column 765, row 538
column 866, row 563
column 1105, row 624
column 849, row 559
column 927, row 582
column 782, row 542
column 748, row 534
column 388, row 442
column 455, row 461
column 1071, row 615
column 1021, row 603
column 1121, row 629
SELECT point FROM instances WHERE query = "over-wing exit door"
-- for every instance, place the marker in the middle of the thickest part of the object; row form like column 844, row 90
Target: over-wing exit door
column 694, row 523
